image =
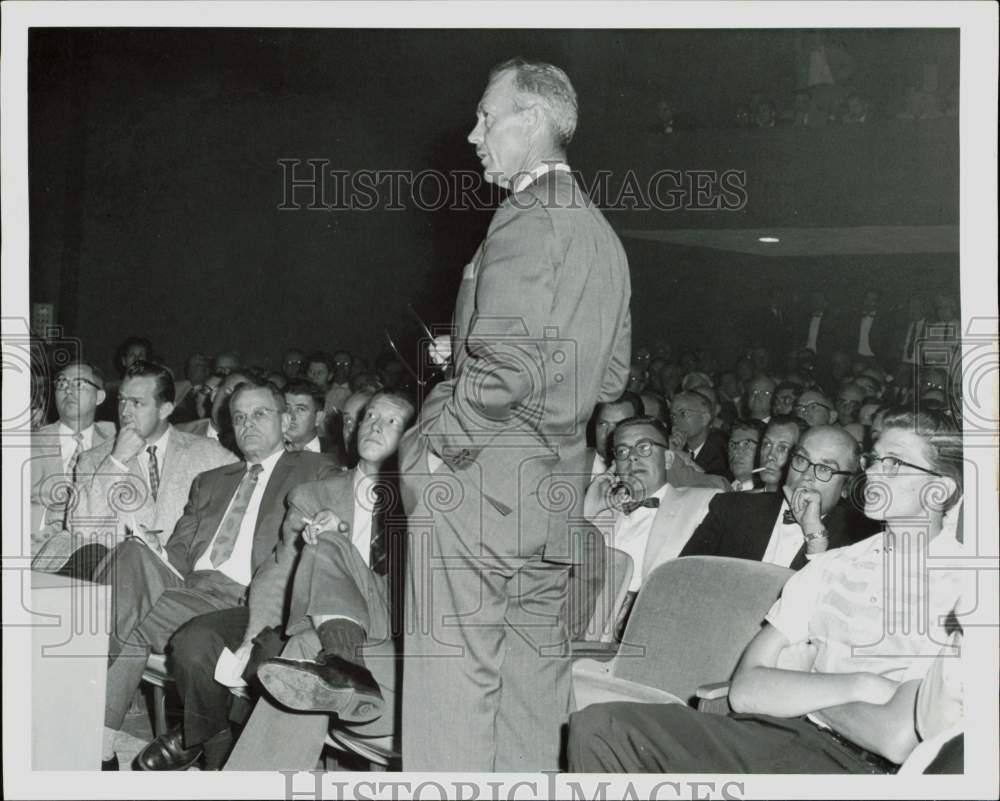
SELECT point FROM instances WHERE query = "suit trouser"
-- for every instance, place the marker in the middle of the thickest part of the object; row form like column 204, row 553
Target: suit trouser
column 487, row 673
column 331, row 579
column 149, row 603
column 193, row 652
column 673, row 738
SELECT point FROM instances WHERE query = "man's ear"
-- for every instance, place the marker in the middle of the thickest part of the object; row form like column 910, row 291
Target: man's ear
column 286, row 422
column 165, row 410
column 101, row 395
column 668, row 458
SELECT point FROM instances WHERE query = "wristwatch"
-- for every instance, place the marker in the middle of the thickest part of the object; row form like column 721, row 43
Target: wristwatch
column 821, row 534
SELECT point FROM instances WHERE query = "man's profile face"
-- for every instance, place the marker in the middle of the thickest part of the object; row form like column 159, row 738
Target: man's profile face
column 649, row 471
column 258, row 424
column 138, row 408
column 822, row 447
column 500, row 136
column 610, row 415
column 77, row 396
column 382, row 426
column 304, row 418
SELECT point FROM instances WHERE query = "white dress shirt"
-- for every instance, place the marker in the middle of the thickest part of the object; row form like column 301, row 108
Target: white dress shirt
column 143, row 457
column 313, row 445
column 786, row 540
column 527, row 179
column 742, row 486
column 67, row 443
column 238, row 565
column 631, row 533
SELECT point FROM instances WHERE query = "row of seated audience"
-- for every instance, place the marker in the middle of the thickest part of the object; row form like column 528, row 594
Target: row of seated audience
column 252, row 512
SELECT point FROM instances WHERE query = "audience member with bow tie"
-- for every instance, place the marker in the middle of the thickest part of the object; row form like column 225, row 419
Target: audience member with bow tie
column 636, row 507
column 809, row 515
column 230, row 526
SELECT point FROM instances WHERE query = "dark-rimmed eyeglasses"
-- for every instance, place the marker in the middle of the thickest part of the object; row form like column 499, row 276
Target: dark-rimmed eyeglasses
column 643, row 448
column 808, row 407
column 891, row 464
column 823, row 472
column 62, row 383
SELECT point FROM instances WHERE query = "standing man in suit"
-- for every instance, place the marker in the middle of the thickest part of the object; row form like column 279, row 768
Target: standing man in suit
column 810, row 515
column 56, row 448
column 342, row 655
column 139, row 479
column 229, row 528
column 542, row 334
column 691, row 414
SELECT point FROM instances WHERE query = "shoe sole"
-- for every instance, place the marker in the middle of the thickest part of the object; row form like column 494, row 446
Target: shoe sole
column 305, row 691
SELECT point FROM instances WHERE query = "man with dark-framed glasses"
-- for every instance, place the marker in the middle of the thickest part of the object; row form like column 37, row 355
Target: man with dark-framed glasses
column 810, row 514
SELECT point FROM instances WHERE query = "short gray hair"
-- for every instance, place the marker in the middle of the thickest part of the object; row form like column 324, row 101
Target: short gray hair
column 550, row 87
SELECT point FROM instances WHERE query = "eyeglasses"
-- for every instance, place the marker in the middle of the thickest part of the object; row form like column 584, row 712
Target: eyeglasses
column 760, row 393
column 808, row 407
column 822, row 472
column 743, row 445
column 257, row 417
column 891, row 464
column 76, row 384
column 683, row 414
column 643, row 448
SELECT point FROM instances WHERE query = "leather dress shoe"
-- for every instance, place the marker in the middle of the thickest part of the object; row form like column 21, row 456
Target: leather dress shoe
column 167, row 752
column 110, row 764
column 333, row 685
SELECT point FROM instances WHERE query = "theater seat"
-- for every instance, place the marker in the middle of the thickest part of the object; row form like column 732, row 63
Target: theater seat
column 689, row 625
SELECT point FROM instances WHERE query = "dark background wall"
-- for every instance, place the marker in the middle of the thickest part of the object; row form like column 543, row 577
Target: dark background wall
column 155, row 181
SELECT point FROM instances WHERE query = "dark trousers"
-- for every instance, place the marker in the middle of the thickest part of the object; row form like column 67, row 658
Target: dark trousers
column 149, row 603
column 673, row 738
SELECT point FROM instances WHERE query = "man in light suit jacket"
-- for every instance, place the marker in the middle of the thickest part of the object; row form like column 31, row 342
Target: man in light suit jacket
column 541, row 334
column 56, row 448
column 809, row 515
column 230, row 527
column 139, row 479
column 636, row 506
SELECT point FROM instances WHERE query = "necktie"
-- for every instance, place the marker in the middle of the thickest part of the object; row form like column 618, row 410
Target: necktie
column 650, row 503
column 74, row 458
column 154, row 471
column 788, row 518
column 229, row 530
column 378, row 554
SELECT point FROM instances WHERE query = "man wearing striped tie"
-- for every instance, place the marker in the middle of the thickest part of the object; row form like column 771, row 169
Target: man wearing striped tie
column 229, row 528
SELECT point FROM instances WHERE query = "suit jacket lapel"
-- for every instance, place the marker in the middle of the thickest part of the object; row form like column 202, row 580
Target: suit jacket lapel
column 171, row 475
column 221, row 496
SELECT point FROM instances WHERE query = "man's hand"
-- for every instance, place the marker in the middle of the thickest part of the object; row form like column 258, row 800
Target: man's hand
column 128, row 445
column 677, row 441
column 324, row 520
column 806, row 505
column 440, row 349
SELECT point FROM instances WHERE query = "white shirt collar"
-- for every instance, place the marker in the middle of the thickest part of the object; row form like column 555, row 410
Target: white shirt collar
column 269, row 462
column 313, row 445
column 66, row 431
column 527, row 179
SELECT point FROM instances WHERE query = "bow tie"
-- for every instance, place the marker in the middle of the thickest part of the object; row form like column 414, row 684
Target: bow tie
column 650, row 503
column 788, row 518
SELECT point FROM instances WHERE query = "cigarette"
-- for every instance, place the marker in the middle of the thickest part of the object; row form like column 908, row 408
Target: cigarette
column 758, row 470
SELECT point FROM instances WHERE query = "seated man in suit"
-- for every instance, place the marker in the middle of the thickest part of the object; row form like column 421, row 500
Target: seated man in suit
column 341, row 658
column 760, row 392
column 691, row 415
column 808, row 516
column 139, row 479
column 304, row 400
column 229, row 528
column 57, row 447
column 637, row 507
column 744, row 444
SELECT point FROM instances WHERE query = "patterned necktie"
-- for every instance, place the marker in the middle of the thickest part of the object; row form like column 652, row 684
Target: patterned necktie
column 382, row 494
column 74, row 458
column 154, row 471
column 229, row 530
column 650, row 503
